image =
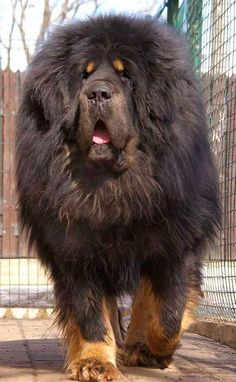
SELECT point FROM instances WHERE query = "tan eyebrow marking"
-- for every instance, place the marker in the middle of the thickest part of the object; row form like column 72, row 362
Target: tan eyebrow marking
column 118, row 65
column 90, row 67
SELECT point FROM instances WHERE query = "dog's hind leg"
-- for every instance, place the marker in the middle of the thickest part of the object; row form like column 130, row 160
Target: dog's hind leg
column 116, row 320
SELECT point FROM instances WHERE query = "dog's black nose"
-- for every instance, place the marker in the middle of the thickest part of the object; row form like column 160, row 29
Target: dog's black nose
column 99, row 93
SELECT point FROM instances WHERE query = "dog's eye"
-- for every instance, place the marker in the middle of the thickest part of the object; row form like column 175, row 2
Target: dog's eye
column 89, row 69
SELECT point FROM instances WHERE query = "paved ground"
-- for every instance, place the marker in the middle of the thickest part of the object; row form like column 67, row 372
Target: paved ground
column 30, row 352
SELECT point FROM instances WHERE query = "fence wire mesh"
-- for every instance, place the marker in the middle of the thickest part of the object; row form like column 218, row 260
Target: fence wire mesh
column 22, row 280
column 210, row 27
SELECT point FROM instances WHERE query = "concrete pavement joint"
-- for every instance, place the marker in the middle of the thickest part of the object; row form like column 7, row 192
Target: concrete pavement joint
column 28, row 352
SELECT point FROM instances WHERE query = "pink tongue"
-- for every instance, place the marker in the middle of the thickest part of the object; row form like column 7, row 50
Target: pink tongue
column 101, row 136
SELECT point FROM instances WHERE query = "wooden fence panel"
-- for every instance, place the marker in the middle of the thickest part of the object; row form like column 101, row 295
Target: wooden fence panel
column 9, row 213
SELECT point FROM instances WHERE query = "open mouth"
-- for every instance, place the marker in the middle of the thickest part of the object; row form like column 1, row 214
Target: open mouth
column 101, row 134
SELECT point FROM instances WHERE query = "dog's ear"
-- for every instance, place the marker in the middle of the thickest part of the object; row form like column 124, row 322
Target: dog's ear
column 45, row 93
column 171, row 80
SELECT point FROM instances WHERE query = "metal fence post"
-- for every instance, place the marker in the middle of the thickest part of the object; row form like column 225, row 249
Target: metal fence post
column 172, row 11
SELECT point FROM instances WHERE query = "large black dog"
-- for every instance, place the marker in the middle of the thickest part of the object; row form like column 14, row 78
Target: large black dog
column 117, row 187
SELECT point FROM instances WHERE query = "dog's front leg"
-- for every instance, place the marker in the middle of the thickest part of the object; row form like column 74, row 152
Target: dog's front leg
column 162, row 309
column 84, row 317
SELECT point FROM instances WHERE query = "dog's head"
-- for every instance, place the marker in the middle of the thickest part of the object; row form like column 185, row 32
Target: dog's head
column 107, row 83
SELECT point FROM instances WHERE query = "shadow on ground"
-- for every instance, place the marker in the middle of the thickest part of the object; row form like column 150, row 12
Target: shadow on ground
column 42, row 359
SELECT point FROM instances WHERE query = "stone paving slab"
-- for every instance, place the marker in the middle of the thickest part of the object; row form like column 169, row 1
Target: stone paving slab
column 31, row 352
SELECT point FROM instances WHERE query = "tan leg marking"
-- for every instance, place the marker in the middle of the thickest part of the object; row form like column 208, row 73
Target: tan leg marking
column 115, row 320
column 146, row 343
column 142, row 312
column 91, row 361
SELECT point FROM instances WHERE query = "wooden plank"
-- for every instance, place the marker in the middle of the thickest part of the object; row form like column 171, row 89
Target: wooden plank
column 9, row 218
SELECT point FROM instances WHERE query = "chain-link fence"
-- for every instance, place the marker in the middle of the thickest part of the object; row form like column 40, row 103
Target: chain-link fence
column 22, row 280
column 210, row 27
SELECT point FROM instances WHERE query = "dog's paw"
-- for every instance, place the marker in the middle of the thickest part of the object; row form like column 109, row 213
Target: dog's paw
column 94, row 370
column 139, row 355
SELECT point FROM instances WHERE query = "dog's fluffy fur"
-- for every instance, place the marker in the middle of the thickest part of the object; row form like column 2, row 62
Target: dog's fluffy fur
column 133, row 215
